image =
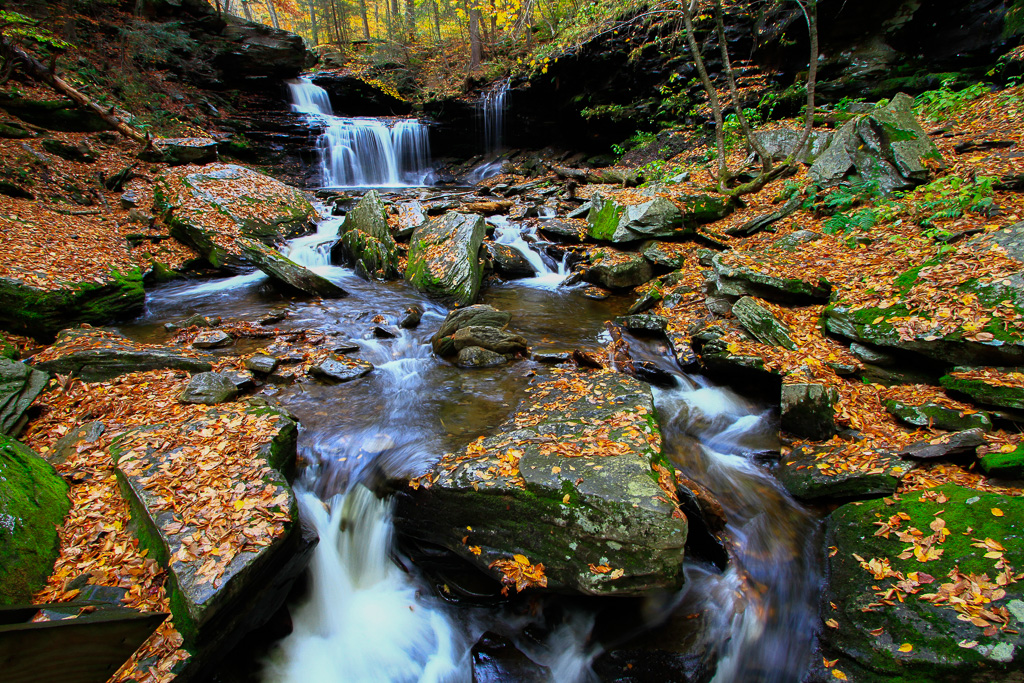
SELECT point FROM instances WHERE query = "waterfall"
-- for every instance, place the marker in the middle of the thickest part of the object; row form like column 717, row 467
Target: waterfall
column 363, row 151
column 491, row 119
column 513, row 236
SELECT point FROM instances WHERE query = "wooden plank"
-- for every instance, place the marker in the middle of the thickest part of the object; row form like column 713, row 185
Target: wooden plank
column 86, row 649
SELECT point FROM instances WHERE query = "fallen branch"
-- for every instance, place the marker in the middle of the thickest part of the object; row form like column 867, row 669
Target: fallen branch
column 38, row 70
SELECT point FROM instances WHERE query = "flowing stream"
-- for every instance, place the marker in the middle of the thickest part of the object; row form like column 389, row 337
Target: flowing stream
column 367, row 615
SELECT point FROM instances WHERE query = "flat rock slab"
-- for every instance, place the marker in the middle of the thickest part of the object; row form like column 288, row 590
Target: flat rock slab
column 283, row 270
column 566, row 483
column 744, row 273
column 939, row 416
column 210, row 388
column 221, row 536
column 177, row 151
column 905, row 600
column 20, row 384
column 1002, row 387
column 95, row 355
column 341, row 369
column 836, row 473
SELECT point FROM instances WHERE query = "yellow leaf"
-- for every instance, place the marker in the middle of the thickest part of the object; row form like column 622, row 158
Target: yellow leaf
column 875, row 322
column 565, row 499
column 239, row 504
column 832, row 623
column 997, row 512
column 522, row 559
column 839, row 674
column 906, row 647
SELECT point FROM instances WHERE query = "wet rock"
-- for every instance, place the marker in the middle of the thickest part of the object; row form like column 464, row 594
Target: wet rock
column 200, row 321
column 762, row 323
column 565, row 231
column 869, row 634
column 478, row 315
column 366, row 240
column 478, row 357
column 209, row 388
column 410, row 216
column 945, row 445
column 213, row 339
column 643, row 322
column 344, row 347
column 596, row 293
column 555, row 491
column 509, row 261
column 412, row 317
column 341, row 369
column 239, row 201
column 490, row 338
column 656, row 217
column 939, row 416
column 552, row 357
column 617, row 270
column 97, row 355
column 809, row 410
column 261, row 363
column 383, row 333
column 272, row 317
column 496, row 660
column 20, row 384
column 444, row 258
column 177, row 151
column 886, row 145
column 33, row 504
column 831, row 473
column 285, row 271
column 1003, row 387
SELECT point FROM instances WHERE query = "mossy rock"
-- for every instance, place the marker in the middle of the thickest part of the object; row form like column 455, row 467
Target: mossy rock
column 62, row 115
column 286, row 272
column 613, row 269
column 1004, row 465
column 42, row 313
column 657, row 217
column 544, row 488
column 19, row 386
column 749, row 274
column 870, row 634
column 987, row 392
column 827, row 474
column 33, row 503
column 939, row 416
column 444, row 258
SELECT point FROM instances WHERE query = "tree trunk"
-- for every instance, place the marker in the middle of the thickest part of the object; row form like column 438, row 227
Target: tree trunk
column 312, row 22
column 437, row 20
column 365, row 19
column 410, row 20
column 475, row 48
column 273, row 13
column 246, row 10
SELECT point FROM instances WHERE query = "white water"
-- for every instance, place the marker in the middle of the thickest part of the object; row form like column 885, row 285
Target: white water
column 524, row 241
column 490, row 110
column 363, row 620
column 363, row 151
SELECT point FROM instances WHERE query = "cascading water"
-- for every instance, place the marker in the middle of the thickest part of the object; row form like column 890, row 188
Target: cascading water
column 361, row 151
column 490, row 123
column 511, row 235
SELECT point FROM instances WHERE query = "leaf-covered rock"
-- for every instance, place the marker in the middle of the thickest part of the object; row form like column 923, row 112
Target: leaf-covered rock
column 1002, row 387
column 833, row 473
column 209, row 388
column 282, row 269
column 938, row 416
column 209, row 208
column 568, row 483
column 744, row 273
column 33, row 503
column 658, row 216
column 614, row 269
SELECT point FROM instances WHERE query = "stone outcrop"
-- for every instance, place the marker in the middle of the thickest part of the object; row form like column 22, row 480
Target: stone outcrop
column 366, row 242
column 444, row 258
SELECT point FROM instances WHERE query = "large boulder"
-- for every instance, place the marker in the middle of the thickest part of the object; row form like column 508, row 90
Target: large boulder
column 282, row 269
column 570, row 482
column 766, row 275
column 209, row 208
column 886, row 145
column 42, row 310
column 366, row 240
column 444, row 258
column 613, row 269
column 19, row 386
column 33, row 503
column 94, row 355
column 477, row 315
column 922, row 588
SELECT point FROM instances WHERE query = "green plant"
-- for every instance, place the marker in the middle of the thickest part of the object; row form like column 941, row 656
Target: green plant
column 950, row 197
column 936, row 105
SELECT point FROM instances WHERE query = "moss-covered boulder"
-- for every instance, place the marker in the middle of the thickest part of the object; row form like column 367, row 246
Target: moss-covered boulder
column 571, row 482
column 43, row 311
column 808, row 409
column 214, row 584
column 886, row 145
column 1002, row 387
column 760, row 322
column 658, row 215
column 923, row 588
column 444, row 258
column 830, row 473
column 366, row 240
column 95, row 355
column 33, row 503
column 614, row 269
column 209, row 208
column 19, row 386
column 286, row 272
column 1004, row 465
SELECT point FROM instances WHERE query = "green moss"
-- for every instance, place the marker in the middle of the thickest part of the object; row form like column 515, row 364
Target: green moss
column 603, row 218
column 1005, row 465
column 33, row 503
column 992, row 394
